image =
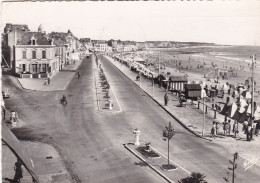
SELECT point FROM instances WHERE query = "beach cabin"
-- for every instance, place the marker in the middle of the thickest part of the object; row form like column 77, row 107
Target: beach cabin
column 176, row 83
column 192, row 91
column 160, row 80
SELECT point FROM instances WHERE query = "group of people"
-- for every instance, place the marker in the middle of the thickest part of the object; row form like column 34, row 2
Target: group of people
column 227, row 128
column 249, row 128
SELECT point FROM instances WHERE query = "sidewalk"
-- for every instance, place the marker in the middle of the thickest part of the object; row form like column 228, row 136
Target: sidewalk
column 46, row 161
column 192, row 118
column 101, row 97
column 59, row 81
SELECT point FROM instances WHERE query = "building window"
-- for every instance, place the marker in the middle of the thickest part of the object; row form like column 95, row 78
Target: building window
column 44, row 68
column 33, row 54
column 43, row 53
column 24, row 54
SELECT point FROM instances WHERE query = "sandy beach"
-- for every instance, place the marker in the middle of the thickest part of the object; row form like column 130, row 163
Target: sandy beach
column 199, row 61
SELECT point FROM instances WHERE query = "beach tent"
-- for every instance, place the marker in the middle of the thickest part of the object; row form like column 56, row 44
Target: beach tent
column 138, row 59
column 246, row 94
column 226, row 106
column 75, row 56
column 257, row 113
column 176, row 83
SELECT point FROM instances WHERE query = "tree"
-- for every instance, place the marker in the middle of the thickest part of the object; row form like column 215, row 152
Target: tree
column 194, row 178
column 168, row 133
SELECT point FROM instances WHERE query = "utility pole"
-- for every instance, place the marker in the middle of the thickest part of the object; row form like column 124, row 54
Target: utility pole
column 159, row 63
column 234, row 166
column 253, row 86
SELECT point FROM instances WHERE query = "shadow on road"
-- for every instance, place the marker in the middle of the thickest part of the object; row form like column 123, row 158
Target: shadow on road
column 141, row 163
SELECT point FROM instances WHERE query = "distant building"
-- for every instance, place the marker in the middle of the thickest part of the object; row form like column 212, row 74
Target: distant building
column 86, row 43
column 99, row 45
column 35, row 56
column 12, row 34
column 141, row 45
column 11, row 27
column 68, row 41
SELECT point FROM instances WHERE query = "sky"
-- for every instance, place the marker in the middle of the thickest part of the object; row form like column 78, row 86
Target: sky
column 233, row 22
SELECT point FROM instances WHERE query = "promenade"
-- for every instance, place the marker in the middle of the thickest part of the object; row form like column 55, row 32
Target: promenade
column 191, row 118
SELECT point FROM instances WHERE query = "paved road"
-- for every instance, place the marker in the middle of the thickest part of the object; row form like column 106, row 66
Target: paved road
column 91, row 141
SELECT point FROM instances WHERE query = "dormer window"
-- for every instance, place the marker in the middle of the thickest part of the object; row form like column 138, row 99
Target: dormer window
column 33, row 40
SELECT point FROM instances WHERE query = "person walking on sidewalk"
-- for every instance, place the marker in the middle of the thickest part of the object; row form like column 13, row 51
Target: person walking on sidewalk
column 213, row 130
column 166, row 99
column 235, row 128
column 18, row 171
column 48, row 81
column 245, row 124
column 3, row 109
column 78, row 74
column 249, row 132
column 217, row 128
column 229, row 127
column 225, row 126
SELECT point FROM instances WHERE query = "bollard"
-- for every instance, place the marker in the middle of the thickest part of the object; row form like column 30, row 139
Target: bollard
column 110, row 104
column 136, row 132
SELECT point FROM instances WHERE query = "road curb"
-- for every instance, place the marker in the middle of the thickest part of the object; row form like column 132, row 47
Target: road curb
column 173, row 116
column 139, row 157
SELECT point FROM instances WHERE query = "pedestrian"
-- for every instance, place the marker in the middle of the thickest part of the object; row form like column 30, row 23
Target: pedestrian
column 166, row 99
column 49, row 81
column 245, row 124
column 213, row 134
column 3, row 109
column 229, row 127
column 249, row 132
column 235, row 128
column 18, row 171
column 217, row 128
column 225, row 126
column 253, row 130
column 78, row 75
column 257, row 129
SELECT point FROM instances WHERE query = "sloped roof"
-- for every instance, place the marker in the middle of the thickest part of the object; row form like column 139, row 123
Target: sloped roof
column 193, row 86
column 177, row 78
column 41, row 39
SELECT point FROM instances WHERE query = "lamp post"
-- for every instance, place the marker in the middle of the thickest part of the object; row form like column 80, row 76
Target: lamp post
column 203, row 100
column 253, row 85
